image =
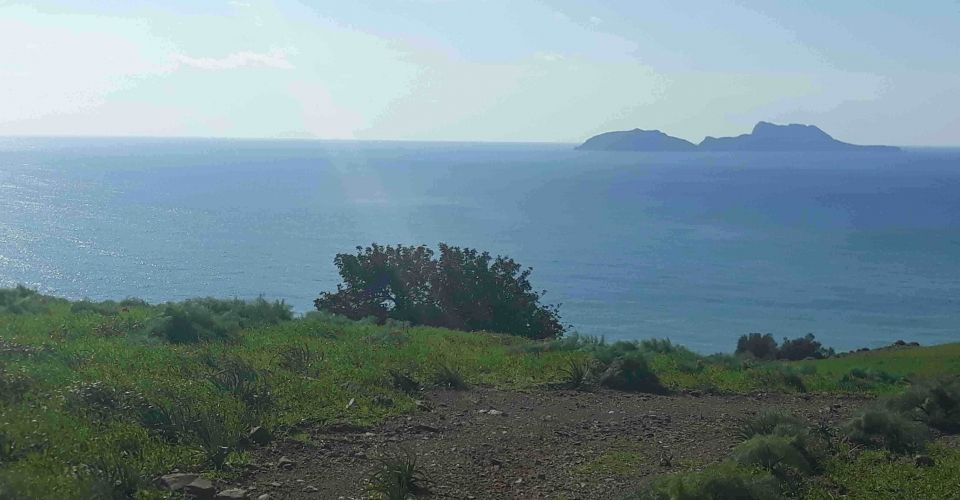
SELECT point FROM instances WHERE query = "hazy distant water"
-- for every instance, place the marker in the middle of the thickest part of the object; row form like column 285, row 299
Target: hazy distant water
column 858, row 248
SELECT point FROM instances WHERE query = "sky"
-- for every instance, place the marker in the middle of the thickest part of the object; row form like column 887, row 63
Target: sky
column 866, row 71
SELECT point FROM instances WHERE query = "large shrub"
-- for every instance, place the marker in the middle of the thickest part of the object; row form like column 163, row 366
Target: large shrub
column 759, row 345
column 764, row 346
column 802, row 348
column 463, row 289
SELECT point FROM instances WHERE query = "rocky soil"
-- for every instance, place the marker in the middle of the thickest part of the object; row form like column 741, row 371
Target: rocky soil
column 492, row 444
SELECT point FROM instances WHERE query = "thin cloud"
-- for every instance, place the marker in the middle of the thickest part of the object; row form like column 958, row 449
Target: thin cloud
column 276, row 59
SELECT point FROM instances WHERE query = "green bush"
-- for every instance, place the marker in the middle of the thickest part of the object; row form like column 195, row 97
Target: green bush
column 720, row 482
column 883, row 428
column 22, row 300
column 758, row 345
column 243, row 381
column 783, row 456
column 860, row 379
column 14, row 385
column 935, row 402
column 802, row 348
column 398, row 478
column 107, row 307
column 449, row 377
column 768, row 423
column 765, row 347
column 463, row 289
column 209, row 319
column 630, row 372
column 779, row 376
column 300, row 359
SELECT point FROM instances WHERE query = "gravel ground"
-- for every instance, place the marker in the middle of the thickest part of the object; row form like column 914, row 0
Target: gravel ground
column 492, row 444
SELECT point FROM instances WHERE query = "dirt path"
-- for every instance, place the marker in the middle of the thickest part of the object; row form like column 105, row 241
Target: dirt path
column 544, row 444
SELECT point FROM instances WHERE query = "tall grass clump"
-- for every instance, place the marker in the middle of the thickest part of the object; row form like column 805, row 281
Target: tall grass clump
column 398, row 477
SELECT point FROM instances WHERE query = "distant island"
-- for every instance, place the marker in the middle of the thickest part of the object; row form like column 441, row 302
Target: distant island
column 764, row 137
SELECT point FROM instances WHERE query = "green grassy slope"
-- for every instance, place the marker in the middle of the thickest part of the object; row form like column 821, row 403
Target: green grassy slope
column 91, row 406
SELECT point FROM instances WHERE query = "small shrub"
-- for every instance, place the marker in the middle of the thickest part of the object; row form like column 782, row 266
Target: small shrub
column 9, row 449
column 574, row 342
column 663, row 346
column 209, row 319
column 577, row 373
column 404, row 382
column 300, row 359
column 450, row 377
column 758, row 345
column 109, row 477
column 882, row 428
column 630, row 372
column 767, row 423
column 241, row 379
column 935, row 402
column 107, row 307
column 780, row 455
column 777, row 375
column 720, row 482
column 389, row 337
column 860, row 379
column 100, row 400
column 14, row 385
column 22, row 300
column 216, row 428
column 398, row 478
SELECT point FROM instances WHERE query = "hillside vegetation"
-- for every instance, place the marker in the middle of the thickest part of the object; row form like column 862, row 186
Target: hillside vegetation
column 98, row 399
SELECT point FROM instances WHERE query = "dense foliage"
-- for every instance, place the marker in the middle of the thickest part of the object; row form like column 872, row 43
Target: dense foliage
column 764, row 347
column 463, row 289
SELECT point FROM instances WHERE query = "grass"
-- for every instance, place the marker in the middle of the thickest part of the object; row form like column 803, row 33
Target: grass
column 868, row 475
column 140, row 401
column 162, row 406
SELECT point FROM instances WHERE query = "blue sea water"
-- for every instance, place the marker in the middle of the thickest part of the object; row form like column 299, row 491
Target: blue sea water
column 860, row 249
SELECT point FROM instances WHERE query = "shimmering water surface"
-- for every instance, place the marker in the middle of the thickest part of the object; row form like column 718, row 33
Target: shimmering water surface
column 858, row 248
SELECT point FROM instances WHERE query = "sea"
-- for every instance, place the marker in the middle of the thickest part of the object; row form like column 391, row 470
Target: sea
column 860, row 249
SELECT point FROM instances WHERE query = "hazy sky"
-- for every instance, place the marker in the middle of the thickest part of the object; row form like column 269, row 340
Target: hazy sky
column 867, row 71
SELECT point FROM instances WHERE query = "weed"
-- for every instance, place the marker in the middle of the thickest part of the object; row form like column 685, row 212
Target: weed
column 450, row 377
column 244, row 381
column 398, row 477
column 300, row 359
column 577, row 373
column 404, row 382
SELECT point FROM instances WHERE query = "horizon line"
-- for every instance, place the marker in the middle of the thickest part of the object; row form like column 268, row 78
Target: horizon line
column 347, row 140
